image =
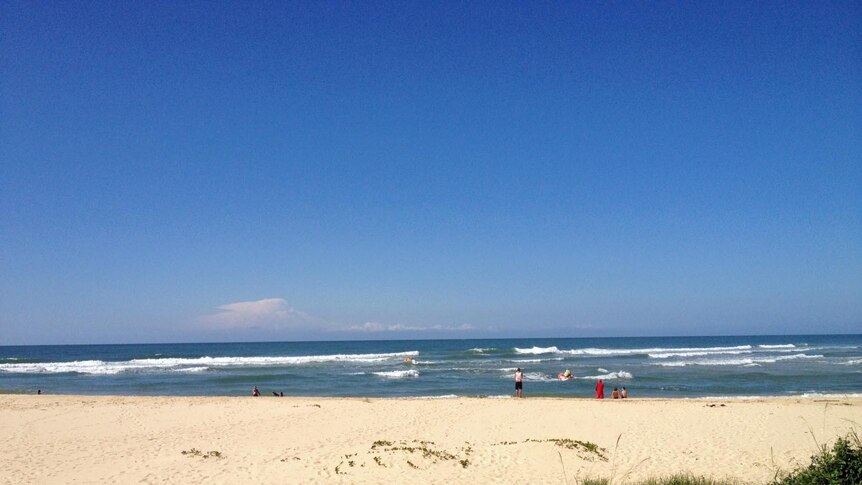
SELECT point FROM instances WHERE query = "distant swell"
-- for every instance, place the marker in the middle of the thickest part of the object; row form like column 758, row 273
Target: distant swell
column 753, row 361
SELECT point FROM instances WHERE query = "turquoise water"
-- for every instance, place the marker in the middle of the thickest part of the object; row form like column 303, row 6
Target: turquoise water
column 655, row 367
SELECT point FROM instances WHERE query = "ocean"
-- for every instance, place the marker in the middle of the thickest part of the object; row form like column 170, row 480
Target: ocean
column 688, row 367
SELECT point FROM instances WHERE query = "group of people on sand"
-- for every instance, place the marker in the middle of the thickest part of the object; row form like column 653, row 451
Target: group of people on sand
column 256, row 392
column 600, row 386
column 617, row 394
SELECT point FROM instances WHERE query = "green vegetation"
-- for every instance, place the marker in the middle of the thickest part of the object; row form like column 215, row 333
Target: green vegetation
column 841, row 465
column 680, row 479
column 426, row 452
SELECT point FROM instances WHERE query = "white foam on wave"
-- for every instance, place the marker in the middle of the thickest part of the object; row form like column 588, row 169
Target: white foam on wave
column 831, row 394
column 192, row 369
column 659, row 352
column 652, row 350
column 853, row 362
column 602, row 370
column 533, row 361
column 444, row 396
column 610, row 376
column 98, row 367
column 786, row 396
column 480, row 350
column 743, row 362
column 397, row 374
column 539, row 377
column 537, row 350
column 668, row 355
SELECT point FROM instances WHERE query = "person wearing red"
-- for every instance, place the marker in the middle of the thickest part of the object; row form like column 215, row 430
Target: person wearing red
column 600, row 390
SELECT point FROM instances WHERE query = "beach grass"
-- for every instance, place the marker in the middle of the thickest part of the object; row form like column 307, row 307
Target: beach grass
column 839, row 465
column 677, row 479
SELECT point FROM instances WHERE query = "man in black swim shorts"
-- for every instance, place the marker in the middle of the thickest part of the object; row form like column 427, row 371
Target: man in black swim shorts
column 519, row 382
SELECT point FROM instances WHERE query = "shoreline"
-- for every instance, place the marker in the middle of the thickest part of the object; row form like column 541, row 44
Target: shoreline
column 812, row 395
column 195, row 439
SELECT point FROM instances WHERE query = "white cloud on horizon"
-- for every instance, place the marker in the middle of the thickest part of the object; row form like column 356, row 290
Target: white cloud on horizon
column 382, row 327
column 266, row 313
column 278, row 314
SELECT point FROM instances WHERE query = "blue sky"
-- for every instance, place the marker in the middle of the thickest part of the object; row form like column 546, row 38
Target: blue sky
column 263, row 171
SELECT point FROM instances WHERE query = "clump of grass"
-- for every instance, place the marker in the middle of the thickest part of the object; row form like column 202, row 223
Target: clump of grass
column 379, row 461
column 426, row 452
column 678, row 479
column 576, row 445
column 381, row 443
column 464, row 463
column 412, row 465
column 839, row 466
column 197, row 452
column 338, row 469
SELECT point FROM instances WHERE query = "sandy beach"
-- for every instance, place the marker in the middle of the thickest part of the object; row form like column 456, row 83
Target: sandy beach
column 84, row 439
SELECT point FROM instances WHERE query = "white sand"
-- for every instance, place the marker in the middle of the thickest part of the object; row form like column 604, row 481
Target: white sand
column 77, row 439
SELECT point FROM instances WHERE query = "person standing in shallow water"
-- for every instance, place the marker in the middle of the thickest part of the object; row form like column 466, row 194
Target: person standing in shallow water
column 519, row 382
column 600, row 390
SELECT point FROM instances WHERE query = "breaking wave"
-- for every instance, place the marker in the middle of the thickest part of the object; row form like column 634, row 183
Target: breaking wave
column 100, row 367
column 537, row 350
column 397, row 374
column 610, row 376
column 752, row 361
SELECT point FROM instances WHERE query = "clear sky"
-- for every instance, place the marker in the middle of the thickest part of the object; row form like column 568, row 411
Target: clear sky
column 183, row 171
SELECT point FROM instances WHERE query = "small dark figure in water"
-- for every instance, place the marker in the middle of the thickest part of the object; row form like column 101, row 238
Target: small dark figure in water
column 255, row 392
column 281, row 394
column 39, row 391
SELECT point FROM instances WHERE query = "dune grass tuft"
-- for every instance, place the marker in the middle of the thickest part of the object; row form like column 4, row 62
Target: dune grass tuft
column 840, row 465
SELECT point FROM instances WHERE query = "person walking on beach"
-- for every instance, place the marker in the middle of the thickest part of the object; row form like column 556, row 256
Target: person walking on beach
column 600, row 390
column 519, row 382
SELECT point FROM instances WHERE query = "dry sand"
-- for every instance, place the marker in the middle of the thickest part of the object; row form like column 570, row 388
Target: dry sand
column 82, row 439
